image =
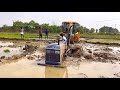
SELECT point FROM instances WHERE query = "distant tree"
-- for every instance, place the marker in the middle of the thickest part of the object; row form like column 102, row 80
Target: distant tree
column 80, row 29
column 108, row 30
column 92, row 30
column 86, row 30
column 7, row 28
column 32, row 26
column 18, row 24
column 96, row 30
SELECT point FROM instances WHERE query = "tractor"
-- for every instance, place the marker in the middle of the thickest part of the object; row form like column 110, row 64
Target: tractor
column 55, row 52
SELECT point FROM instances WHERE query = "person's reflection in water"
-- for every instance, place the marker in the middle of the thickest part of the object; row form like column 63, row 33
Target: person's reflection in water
column 53, row 72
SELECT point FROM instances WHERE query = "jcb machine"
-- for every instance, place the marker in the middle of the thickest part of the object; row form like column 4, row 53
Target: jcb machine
column 55, row 52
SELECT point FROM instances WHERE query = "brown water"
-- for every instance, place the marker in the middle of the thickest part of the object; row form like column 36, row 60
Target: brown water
column 25, row 68
column 29, row 69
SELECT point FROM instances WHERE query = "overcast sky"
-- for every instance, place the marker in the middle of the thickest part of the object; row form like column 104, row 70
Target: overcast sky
column 87, row 19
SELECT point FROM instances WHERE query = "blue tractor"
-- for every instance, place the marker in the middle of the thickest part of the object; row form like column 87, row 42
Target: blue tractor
column 55, row 52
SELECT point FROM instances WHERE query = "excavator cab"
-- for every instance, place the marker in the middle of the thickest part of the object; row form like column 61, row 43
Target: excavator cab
column 70, row 29
column 72, row 26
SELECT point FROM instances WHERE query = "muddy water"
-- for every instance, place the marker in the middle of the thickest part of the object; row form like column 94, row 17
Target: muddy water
column 16, row 47
column 13, row 51
column 25, row 68
column 29, row 69
column 94, row 70
column 10, row 46
column 3, row 43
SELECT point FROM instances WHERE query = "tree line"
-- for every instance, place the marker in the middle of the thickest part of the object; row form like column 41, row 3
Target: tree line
column 33, row 26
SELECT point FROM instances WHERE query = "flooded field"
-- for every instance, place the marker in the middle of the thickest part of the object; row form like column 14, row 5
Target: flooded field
column 12, row 52
column 99, row 66
column 29, row 69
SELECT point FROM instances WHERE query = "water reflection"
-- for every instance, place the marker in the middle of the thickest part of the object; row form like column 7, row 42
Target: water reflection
column 51, row 72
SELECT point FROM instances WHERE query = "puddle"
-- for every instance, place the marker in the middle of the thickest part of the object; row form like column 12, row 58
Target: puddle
column 83, row 39
column 29, row 69
column 3, row 43
column 16, row 47
column 94, row 70
column 13, row 51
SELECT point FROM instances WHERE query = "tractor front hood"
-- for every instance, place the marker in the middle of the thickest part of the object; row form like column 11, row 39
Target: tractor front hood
column 54, row 46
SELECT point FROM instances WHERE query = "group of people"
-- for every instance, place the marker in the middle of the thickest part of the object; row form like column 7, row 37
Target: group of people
column 39, row 31
column 40, row 34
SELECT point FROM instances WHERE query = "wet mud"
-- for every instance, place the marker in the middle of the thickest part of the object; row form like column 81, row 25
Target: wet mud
column 84, row 61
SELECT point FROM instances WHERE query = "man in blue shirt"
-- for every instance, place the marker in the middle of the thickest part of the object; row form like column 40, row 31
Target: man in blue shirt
column 46, row 33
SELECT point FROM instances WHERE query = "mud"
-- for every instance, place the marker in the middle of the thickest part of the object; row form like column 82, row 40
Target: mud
column 85, row 60
column 117, row 74
column 17, row 50
column 95, row 52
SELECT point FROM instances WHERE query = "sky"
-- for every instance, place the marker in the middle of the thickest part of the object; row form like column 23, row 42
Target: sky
column 88, row 19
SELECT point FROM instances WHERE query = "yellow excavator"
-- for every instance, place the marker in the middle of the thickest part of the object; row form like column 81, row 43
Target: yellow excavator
column 70, row 30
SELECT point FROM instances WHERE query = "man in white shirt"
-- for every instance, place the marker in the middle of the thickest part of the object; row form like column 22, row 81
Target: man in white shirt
column 22, row 33
column 63, row 37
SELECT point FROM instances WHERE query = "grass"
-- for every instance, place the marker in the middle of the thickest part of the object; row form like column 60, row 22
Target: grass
column 100, row 36
column 7, row 51
column 93, row 37
column 54, row 35
column 26, row 35
column 104, row 41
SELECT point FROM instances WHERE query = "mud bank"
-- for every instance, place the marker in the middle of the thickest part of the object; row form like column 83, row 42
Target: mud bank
column 95, row 52
column 14, row 39
column 104, row 41
column 18, row 50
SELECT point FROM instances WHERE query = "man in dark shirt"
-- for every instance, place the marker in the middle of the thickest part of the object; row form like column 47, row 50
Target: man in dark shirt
column 40, row 32
column 46, row 33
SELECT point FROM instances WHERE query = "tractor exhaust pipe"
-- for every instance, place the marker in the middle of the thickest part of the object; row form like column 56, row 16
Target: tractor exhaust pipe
column 58, row 40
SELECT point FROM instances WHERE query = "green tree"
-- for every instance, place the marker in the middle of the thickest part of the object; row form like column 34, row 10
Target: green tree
column 80, row 29
column 92, row 30
column 18, row 24
column 108, row 30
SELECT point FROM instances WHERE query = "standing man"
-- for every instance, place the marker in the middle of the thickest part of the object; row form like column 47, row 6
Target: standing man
column 22, row 33
column 40, row 32
column 46, row 33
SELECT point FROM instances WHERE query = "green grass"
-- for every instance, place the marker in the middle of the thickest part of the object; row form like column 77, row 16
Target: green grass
column 26, row 35
column 16, row 35
column 7, row 51
column 104, row 41
column 100, row 36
